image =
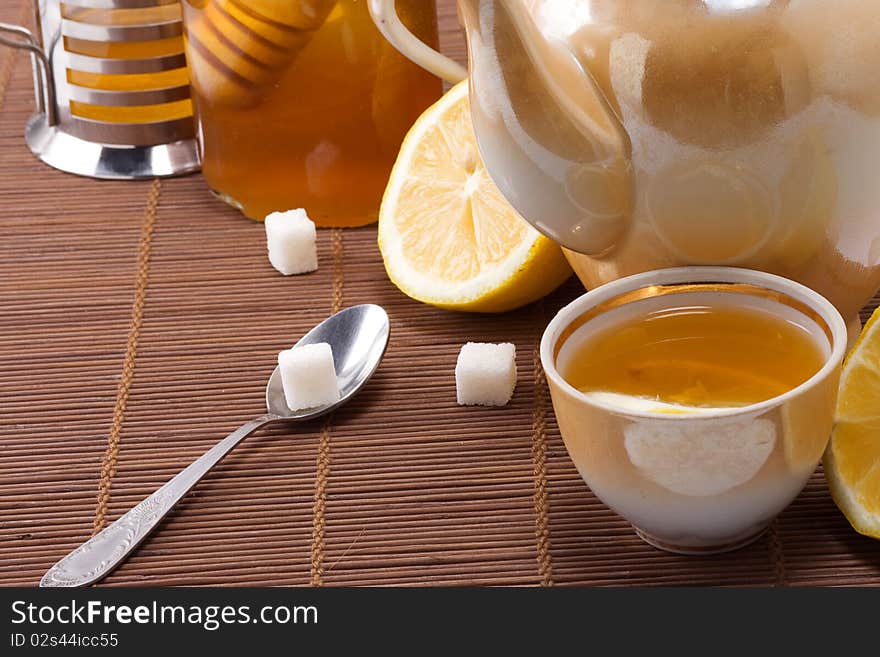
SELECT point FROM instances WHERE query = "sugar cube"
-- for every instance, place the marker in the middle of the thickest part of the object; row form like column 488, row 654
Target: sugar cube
column 291, row 237
column 308, row 376
column 485, row 374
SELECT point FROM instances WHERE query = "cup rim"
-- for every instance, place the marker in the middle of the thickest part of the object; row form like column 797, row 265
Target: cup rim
column 696, row 275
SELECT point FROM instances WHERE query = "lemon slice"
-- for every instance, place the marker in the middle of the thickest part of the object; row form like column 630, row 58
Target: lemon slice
column 447, row 235
column 641, row 404
column 852, row 460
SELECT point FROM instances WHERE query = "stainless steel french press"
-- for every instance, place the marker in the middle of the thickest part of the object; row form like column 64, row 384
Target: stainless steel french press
column 111, row 85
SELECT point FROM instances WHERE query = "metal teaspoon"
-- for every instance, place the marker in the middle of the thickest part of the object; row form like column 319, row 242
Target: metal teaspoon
column 358, row 337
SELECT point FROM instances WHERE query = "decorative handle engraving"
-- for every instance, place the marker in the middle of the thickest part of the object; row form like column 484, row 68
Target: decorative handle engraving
column 95, row 558
column 101, row 553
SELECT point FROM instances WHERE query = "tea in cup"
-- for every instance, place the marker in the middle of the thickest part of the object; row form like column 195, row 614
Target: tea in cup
column 696, row 402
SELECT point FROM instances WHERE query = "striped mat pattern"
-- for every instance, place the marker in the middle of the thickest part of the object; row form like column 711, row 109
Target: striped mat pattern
column 138, row 325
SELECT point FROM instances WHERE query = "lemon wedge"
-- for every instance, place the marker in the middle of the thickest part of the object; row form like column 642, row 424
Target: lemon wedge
column 447, row 236
column 852, row 460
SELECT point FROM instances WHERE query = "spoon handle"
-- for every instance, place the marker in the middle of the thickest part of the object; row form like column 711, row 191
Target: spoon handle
column 95, row 558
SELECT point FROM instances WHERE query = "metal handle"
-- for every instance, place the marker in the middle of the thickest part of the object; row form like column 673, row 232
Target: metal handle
column 392, row 28
column 95, row 558
column 44, row 86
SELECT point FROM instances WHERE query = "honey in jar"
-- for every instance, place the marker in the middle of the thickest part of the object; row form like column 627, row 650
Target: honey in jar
column 303, row 103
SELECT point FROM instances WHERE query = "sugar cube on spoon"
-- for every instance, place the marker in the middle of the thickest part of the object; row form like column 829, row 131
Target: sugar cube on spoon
column 308, row 376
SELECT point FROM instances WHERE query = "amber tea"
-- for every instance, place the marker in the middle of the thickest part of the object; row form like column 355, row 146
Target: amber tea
column 701, row 355
column 164, row 93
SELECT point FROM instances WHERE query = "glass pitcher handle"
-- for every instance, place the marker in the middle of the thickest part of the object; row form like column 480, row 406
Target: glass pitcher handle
column 385, row 16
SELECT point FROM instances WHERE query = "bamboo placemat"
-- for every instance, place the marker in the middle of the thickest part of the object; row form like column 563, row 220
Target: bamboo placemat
column 138, row 325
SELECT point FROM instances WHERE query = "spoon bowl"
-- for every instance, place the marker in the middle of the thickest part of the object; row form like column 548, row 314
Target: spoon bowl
column 357, row 336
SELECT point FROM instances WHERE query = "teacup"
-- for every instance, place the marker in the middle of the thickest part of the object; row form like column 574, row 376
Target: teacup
column 709, row 479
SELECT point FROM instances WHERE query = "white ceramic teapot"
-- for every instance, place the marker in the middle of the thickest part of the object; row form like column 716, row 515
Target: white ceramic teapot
column 643, row 134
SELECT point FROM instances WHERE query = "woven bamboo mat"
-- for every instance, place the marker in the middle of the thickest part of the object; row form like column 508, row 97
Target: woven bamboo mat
column 138, row 324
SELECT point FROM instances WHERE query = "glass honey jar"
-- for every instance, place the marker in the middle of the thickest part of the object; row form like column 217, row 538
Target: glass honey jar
column 303, row 103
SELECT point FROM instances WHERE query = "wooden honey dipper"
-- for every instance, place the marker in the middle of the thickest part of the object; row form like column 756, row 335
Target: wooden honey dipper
column 239, row 48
